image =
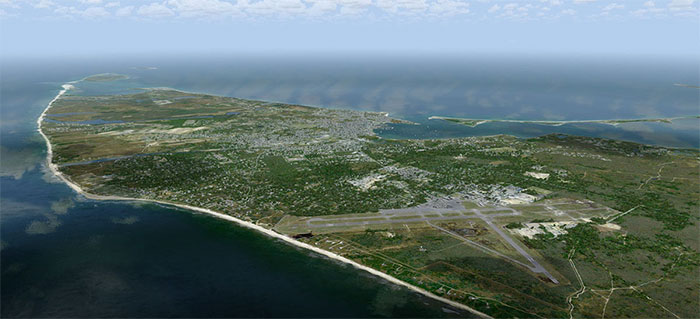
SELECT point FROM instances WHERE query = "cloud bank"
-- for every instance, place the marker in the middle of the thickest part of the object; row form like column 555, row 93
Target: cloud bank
column 347, row 9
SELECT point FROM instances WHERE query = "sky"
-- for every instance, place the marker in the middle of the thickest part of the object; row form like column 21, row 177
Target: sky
column 31, row 28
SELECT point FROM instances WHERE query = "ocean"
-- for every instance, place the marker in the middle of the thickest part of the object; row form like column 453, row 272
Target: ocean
column 66, row 256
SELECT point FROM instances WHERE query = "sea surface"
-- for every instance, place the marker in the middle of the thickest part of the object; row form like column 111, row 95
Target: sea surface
column 65, row 256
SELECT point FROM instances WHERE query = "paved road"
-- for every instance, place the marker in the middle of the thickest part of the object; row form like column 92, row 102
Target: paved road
column 390, row 217
column 450, row 209
column 536, row 267
column 471, row 242
column 423, row 214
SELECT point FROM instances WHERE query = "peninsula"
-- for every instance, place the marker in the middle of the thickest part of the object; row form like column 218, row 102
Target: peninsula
column 554, row 226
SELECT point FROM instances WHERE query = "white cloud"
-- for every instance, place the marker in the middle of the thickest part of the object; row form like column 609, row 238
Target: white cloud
column 272, row 7
column 681, row 5
column 89, row 13
column 357, row 9
column 44, row 4
column 613, row 6
column 449, row 7
column 9, row 3
column 684, row 8
column 551, row 2
column 95, row 12
column 510, row 6
column 649, row 8
column 43, row 227
column 124, row 11
column 202, row 8
column 354, row 7
column 155, row 10
column 394, row 6
column 321, row 7
column 64, row 11
column 511, row 10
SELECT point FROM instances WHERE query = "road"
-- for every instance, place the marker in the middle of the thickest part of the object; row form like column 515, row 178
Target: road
column 447, row 210
column 536, row 266
column 396, row 217
column 441, row 210
column 482, row 247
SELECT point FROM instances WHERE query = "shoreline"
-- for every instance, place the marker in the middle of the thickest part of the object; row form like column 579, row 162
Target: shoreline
column 269, row 232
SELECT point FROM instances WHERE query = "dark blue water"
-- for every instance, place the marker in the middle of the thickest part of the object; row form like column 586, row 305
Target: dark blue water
column 118, row 260
column 681, row 133
column 63, row 256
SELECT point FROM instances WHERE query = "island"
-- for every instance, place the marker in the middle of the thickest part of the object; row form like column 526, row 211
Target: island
column 554, row 226
column 476, row 122
column 105, row 77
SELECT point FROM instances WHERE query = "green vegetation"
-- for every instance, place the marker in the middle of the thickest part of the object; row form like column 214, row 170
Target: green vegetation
column 514, row 225
column 418, row 210
column 105, row 77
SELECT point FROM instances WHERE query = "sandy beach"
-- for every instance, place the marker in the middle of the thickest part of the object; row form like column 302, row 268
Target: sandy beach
column 54, row 169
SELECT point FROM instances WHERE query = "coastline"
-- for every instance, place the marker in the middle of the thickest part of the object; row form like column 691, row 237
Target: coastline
column 54, row 169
